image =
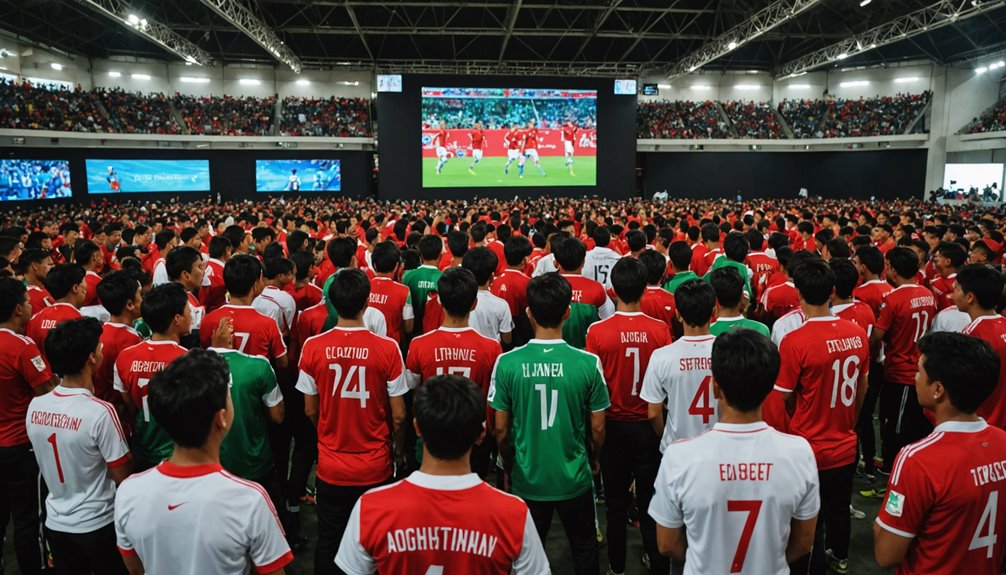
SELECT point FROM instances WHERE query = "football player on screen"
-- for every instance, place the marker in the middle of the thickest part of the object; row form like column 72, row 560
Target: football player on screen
column 478, row 141
column 440, row 141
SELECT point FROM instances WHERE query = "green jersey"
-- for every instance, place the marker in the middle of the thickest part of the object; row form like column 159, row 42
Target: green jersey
column 678, row 279
column 421, row 281
column 245, row 451
column 745, row 273
column 725, row 324
column 549, row 388
column 142, row 328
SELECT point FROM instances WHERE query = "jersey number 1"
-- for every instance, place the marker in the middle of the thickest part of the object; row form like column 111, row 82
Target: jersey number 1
column 752, row 508
column 547, row 413
column 59, row 467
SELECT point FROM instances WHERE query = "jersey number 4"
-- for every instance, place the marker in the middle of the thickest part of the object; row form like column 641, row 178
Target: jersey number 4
column 358, row 372
column 702, row 403
column 987, row 523
column 752, row 508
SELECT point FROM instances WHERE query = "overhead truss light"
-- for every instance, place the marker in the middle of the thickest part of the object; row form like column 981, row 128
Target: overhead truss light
column 855, row 84
column 241, row 17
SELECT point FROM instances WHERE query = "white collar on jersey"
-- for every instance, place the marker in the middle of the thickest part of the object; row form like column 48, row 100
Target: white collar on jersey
column 444, row 482
column 962, row 426
column 731, row 318
column 822, row 318
column 547, row 341
column 61, row 391
column 741, row 427
column 455, row 329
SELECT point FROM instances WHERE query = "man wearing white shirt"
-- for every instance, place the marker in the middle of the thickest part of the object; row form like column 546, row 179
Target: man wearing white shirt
column 274, row 301
column 165, row 240
column 599, row 261
column 491, row 316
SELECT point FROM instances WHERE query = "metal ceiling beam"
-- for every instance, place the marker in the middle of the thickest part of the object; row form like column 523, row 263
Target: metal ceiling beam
column 241, row 17
column 490, row 5
column 511, row 21
column 597, row 26
column 150, row 29
column 938, row 15
column 757, row 25
column 444, row 31
column 359, row 31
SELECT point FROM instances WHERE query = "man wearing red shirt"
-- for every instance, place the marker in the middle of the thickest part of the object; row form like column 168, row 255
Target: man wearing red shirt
column 760, row 263
column 529, row 148
column 950, row 256
column 254, row 332
column 569, row 130
column 905, row 316
column 511, row 286
column 977, row 292
column 513, row 142
column 353, row 382
column 710, row 241
column 388, row 296
column 656, row 302
column 305, row 293
column 36, row 264
column 113, row 239
column 87, row 254
column 456, row 348
column 23, row 375
column 624, row 342
column 822, row 377
column 440, row 143
column 870, row 265
column 478, row 138
column 943, row 514
column 214, row 295
column 882, row 236
column 120, row 294
column 66, row 284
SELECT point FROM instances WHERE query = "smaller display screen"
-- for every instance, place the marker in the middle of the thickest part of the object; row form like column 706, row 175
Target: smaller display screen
column 23, row 179
column 277, row 176
column 105, row 176
column 625, row 87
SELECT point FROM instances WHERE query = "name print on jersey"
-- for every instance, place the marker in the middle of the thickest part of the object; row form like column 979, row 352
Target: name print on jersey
column 442, row 538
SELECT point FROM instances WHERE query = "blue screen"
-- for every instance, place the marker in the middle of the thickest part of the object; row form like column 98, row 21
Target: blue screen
column 279, row 176
column 137, row 176
column 34, row 179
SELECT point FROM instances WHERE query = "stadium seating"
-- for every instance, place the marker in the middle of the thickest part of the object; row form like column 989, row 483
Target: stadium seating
column 130, row 113
column 804, row 117
column 880, row 116
column 342, row 117
column 754, row 120
column 28, row 107
column 679, row 120
column 227, row 116
column 992, row 120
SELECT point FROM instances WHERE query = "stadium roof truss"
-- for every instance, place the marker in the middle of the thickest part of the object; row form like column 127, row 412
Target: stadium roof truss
column 565, row 37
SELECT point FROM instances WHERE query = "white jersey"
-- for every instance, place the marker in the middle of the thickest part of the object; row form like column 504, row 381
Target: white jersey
column 950, row 319
column 278, row 305
column 545, row 265
column 76, row 438
column 98, row 312
column 789, row 322
column 374, row 321
column 598, row 263
column 680, row 376
column 198, row 519
column 160, row 273
column 735, row 490
column 491, row 316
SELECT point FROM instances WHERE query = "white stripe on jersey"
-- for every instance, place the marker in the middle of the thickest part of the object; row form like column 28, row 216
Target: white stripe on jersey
column 909, row 451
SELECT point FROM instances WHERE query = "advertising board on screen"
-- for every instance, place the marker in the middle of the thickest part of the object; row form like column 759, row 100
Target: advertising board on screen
column 278, row 176
column 105, row 176
column 28, row 179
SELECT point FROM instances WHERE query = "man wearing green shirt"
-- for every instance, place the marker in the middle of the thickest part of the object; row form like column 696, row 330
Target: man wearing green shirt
column 546, row 395
column 680, row 255
column 730, row 305
column 423, row 280
column 735, row 251
column 245, row 451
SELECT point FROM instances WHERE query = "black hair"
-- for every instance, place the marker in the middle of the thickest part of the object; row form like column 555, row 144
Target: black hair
column 241, row 273
column 629, row 277
column 481, row 262
column 635, row 240
column 838, row 248
column 385, row 257
column 431, row 247
column 187, row 234
column 548, row 298
column 728, row 285
column 161, row 304
column 955, row 252
column 978, row 246
column 745, row 367
column 116, row 290
column 218, row 247
column 163, row 238
column 62, row 278
column 12, row 293
column 756, row 241
column 478, row 232
column 261, row 233
column 872, row 259
column 181, row 260
column 235, row 234
column 304, row 261
column 70, row 343
column 515, row 249
column 655, row 264
column 83, row 251
column 273, row 250
column 569, row 253
column 31, row 256
column 186, row 395
column 601, row 236
column 349, row 292
column 457, row 243
column 449, row 411
column 274, row 267
column 984, row 281
column 411, row 259
column 967, row 367
column 710, row 232
column 904, row 262
column 778, row 240
column 457, row 289
column 695, row 301
column 846, row 276
column 340, row 251
column 680, row 254
column 296, row 241
column 736, row 247
column 814, row 280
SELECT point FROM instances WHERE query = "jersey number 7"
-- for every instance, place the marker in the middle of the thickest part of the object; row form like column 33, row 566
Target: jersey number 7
column 752, row 508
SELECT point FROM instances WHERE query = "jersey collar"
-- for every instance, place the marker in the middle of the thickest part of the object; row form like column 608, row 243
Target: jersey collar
column 61, row 391
column 444, row 482
column 188, row 471
column 630, row 313
column 455, row 329
column 731, row 318
column 962, row 426
column 697, row 338
column 741, row 427
column 547, row 341
column 836, row 309
column 822, row 318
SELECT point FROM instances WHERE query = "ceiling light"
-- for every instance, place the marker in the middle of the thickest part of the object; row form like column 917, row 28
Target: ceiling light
column 873, row 46
column 133, row 19
column 731, row 45
column 842, row 56
column 140, row 76
column 864, row 3
column 194, row 80
column 663, row 86
column 303, row 82
column 699, row 87
column 981, row 70
column 906, row 80
column 692, row 68
column 799, row 86
column 114, row 74
column 56, row 66
column 1000, row 64
column 249, row 82
column 747, row 86
column 855, row 84
column 344, row 83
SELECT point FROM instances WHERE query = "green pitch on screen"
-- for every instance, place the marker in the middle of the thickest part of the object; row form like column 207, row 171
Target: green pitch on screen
column 489, row 173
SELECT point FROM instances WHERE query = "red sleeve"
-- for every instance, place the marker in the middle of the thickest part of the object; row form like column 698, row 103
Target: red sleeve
column 789, row 365
column 910, row 496
column 395, row 364
column 412, row 362
column 206, row 329
column 886, row 318
column 33, row 366
column 591, row 341
column 276, row 346
column 774, row 411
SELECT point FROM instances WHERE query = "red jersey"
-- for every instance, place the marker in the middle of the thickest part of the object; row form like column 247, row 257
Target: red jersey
column 763, row 268
column 448, row 350
column 22, row 369
column 353, row 372
column 943, row 289
column 361, row 255
column 496, row 247
column 136, row 366
column 478, row 139
column 108, row 258
column 46, row 319
column 394, row 300
column 39, row 298
column 569, row 133
column 325, row 269
column 658, row 303
column 513, row 138
column 440, row 138
column 306, row 296
column 309, row 323
column 944, row 493
column 91, row 280
column 872, row 294
column 992, row 328
column 214, row 295
column 530, row 140
column 905, row 316
column 858, row 313
column 511, row 286
column 780, row 299
column 625, row 342
column 698, row 263
column 115, row 337
column 822, row 362
column 254, row 332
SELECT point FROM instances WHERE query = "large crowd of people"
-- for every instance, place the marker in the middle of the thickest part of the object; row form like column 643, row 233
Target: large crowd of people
column 25, row 106
column 680, row 120
column 225, row 348
column 133, row 113
column 754, row 120
column 334, row 116
column 227, row 116
column 805, row 117
column 991, row 120
column 878, row 116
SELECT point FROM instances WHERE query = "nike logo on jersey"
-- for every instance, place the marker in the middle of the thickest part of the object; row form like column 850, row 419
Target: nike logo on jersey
column 547, row 349
column 173, row 507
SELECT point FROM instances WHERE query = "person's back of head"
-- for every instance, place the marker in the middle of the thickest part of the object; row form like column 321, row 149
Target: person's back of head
column 503, row 233
column 235, row 234
column 430, row 248
column 83, row 251
column 680, row 254
column 799, row 258
column 340, row 251
column 984, row 283
column 777, row 240
column 629, row 277
column 263, row 234
column 349, row 293
column 276, row 267
column 116, row 290
column 241, row 273
column 187, row 234
column 30, row 257
column 218, row 248
column 478, row 233
column 636, row 241
column 903, row 262
column 728, row 285
column 814, row 280
column 966, row 367
column 457, row 290
column 837, row 248
column 846, row 276
column 655, row 265
column 539, row 240
column 72, row 344
column 449, row 412
column 163, row 238
column 871, row 258
column 189, row 398
column 745, row 367
column 710, row 233
column 693, row 233
column 569, row 254
column 180, row 260
column 756, row 241
column 695, row 301
column 386, row 257
column 548, row 299
column 601, row 236
column 482, row 263
column 62, row 278
column 12, row 294
column 296, row 241
column 303, row 261
column 953, row 253
column 515, row 249
column 162, row 304
column 457, row 243
column 736, row 247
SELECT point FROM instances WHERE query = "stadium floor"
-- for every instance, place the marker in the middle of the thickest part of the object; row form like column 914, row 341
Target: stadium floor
column 860, row 561
column 489, row 172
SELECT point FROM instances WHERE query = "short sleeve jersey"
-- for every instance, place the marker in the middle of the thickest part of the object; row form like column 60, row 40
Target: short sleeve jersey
column 549, row 387
column 254, row 333
column 478, row 139
column 780, row 299
column 943, row 289
column 76, row 438
column 91, row 280
column 214, row 295
column 725, row 324
column 245, row 451
column 22, row 369
column 115, row 337
column 218, row 523
column 736, row 490
column 134, row 368
column 944, row 494
column 905, row 316
column 421, row 281
column 569, row 133
column 872, row 294
column 47, row 318
column 459, row 351
column 992, row 328
column 278, row 305
column 39, row 298
column 491, row 316
column 353, row 372
column 394, row 300
column 590, row 303
column 625, row 342
column 511, row 287
column 680, row 376
column 858, row 313
column 822, row 362
column 677, row 279
column 305, row 296
column 598, row 264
